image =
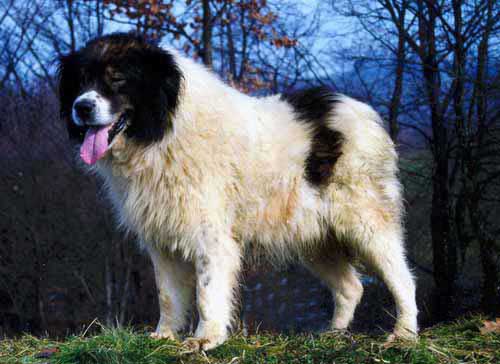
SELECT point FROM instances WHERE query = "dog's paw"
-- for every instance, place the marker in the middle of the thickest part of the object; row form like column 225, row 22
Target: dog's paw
column 401, row 335
column 208, row 335
column 163, row 334
column 196, row 344
column 337, row 332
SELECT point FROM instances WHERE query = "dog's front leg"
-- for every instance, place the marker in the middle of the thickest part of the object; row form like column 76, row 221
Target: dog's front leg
column 217, row 264
column 175, row 283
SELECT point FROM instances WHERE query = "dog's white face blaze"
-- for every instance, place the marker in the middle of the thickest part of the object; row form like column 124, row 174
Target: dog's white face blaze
column 100, row 120
column 103, row 114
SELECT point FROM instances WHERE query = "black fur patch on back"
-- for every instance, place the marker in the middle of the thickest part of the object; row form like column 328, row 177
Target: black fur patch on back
column 314, row 106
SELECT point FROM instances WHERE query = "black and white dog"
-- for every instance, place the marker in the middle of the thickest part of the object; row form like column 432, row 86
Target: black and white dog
column 197, row 170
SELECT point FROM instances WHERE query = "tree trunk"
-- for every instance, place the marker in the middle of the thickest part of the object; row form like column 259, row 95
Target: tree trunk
column 398, row 83
column 109, row 293
column 36, row 321
column 443, row 257
column 99, row 18
column 490, row 295
column 440, row 231
column 71, row 25
column 207, row 34
column 125, row 293
column 231, row 52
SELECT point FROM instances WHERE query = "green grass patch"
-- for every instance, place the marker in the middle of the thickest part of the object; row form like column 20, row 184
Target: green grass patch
column 457, row 342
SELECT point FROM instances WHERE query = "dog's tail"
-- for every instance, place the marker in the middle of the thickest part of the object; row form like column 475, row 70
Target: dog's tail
column 367, row 148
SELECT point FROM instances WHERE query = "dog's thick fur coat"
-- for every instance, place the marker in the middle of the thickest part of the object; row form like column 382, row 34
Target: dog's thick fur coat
column 307, row 176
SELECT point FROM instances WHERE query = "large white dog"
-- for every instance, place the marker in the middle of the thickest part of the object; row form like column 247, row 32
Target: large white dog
column 197, row 170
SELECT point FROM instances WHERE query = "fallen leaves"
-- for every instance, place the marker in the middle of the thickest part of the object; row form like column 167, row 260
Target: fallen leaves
column 490, row 327
column 46, row 353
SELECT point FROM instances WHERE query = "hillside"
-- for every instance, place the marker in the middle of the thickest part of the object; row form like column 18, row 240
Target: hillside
column 463, row 341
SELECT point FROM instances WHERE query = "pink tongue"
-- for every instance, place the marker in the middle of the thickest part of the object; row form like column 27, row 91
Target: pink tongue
column 95, row 144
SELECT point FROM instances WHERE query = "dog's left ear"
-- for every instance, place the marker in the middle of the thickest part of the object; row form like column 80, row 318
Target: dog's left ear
column 155, row 100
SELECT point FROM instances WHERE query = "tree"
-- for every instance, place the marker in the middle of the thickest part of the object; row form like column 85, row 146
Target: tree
column 234, row 30
column 436, row 45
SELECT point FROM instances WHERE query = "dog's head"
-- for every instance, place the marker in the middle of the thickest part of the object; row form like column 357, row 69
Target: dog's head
column 116, row 84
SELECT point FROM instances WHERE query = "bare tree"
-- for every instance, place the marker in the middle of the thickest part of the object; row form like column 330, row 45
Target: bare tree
column 243, row 34
column 432, row 44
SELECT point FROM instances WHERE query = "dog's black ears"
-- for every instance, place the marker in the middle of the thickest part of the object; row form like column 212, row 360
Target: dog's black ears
column 156, row 96
column 68, row 84
column 152, row 74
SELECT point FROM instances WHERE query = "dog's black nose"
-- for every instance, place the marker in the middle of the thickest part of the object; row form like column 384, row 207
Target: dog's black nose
column 84, row 109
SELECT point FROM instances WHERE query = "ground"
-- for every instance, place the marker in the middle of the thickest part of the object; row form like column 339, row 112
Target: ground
column 466, row 340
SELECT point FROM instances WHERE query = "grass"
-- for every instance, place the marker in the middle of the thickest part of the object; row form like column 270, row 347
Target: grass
column 457, row 342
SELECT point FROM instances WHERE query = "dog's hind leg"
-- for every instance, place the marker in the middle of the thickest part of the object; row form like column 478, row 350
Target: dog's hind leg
column 343, row 280
column 385, row 254
column 175, row 284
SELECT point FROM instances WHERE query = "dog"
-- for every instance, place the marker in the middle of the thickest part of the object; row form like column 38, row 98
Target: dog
column 199, row 171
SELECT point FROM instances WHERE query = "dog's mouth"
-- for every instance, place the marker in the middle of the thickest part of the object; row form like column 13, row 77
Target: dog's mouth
column 99, row 139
